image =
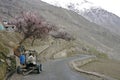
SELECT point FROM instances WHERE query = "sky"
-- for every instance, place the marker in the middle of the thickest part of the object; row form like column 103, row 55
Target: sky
column 110, row 5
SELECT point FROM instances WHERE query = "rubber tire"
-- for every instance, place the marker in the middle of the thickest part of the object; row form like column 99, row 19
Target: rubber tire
column 18, row 70
column 38, row 69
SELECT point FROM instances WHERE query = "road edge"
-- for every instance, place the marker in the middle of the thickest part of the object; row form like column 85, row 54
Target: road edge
column 8, row 75
column 78, row 62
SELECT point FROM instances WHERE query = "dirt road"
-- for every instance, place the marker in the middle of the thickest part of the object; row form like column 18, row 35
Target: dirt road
column 54, row 70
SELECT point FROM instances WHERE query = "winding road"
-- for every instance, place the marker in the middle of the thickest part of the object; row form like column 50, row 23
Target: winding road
column 55, row 70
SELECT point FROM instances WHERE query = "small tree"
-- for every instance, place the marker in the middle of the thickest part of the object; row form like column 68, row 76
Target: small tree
column 60, row 33
column 30, row 25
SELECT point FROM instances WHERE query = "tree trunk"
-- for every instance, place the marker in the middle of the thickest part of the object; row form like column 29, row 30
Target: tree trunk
column 32, row 42
column 22, row 40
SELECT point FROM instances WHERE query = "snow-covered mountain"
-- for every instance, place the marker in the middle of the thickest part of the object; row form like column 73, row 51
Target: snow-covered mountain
column 91, row 12
column 103, row 18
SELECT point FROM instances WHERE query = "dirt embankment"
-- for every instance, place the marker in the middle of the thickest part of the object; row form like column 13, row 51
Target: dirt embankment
column 6, row 38
column 104, row 66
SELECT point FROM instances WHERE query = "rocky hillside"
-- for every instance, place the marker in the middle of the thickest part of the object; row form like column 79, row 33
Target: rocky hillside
column 103, row 18
column 82, row 29
column 7, row 63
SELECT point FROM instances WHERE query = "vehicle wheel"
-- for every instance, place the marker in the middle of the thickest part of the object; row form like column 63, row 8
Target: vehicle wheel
column 38, row 69
column 18, row 70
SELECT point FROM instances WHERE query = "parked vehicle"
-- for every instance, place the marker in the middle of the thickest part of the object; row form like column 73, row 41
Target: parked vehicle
column 27, row 68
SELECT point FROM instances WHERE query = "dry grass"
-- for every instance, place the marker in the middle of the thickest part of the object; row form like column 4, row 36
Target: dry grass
column 2, row 71
column 107, row 67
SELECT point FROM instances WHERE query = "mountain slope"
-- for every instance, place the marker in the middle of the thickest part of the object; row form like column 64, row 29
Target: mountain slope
column 92, row 13
column 76, row 25
column 97, row 15
column 103, row 18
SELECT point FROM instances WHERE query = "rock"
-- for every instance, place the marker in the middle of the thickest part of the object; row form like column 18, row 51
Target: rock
column 2, row 60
